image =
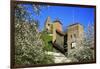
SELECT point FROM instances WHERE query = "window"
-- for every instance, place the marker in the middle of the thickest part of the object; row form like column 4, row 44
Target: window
column 71, row 36
column 74, row 35
column 73, row 45
column 48, row 24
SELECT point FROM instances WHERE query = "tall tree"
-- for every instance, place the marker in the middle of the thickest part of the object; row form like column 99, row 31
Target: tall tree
column 28, row 44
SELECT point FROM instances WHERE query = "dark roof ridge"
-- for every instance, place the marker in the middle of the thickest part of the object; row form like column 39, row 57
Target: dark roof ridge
column 57, row 21
column 74, row 24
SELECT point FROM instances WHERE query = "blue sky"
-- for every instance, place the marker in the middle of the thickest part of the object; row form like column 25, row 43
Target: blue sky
column 67, row 15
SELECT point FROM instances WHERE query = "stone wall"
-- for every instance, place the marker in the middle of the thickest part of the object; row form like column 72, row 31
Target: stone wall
column 75, row 36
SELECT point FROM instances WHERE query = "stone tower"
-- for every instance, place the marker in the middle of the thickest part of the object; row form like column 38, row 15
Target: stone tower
column 57, row 32
column 74, row 36
column 53, row 28
column 48, row 24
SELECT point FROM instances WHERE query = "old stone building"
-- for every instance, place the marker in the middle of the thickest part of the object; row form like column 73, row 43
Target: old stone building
column 69, row 40
column 54, row 29
column 74, row 36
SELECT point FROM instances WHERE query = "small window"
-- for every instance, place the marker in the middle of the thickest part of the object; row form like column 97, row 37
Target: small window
column 48, row 24
column 74, row 35
column 46, row 29
column 73, row 45
column 71, row 36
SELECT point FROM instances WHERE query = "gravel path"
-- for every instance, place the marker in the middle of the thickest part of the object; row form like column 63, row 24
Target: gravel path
column 58, row 57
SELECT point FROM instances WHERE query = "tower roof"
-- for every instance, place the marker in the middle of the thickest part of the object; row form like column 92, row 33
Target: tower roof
column 57, row 21
column 75, row 24
column 48, row 19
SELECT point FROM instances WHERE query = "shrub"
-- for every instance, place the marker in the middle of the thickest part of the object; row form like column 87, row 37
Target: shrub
column 29, row 46
column 81, row 54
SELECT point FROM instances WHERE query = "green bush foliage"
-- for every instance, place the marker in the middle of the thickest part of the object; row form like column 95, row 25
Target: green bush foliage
column 46, row 38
